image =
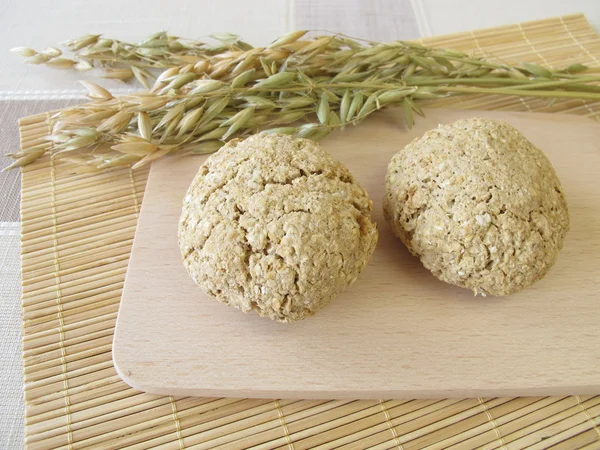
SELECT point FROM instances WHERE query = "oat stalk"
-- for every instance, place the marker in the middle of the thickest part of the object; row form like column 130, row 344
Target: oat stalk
column 212, row 92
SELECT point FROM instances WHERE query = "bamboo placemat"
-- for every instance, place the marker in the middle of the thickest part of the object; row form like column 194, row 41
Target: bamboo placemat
column 77, row 232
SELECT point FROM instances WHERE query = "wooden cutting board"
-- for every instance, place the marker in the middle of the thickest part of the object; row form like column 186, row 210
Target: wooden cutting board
column 398, row 331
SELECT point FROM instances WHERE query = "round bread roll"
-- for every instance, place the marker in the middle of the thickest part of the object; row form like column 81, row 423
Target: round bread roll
column 479, row 204
column 276, row 225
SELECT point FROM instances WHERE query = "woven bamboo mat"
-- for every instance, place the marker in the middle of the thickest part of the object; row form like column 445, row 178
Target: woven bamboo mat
column 77, row 232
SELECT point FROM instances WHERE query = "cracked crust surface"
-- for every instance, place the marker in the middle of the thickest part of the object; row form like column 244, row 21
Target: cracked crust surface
column 479, row 204
column 275, row 224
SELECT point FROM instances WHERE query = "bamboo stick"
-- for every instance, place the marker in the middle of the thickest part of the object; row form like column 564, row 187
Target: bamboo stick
column 102, row 292
column 530, row 430
column 83, row 199
column 568, row 445
column 93, row 351
column 71, row 228
column 51, row 388
column 89, row 275
column 54, row 323
column 65, row 186
column 107, row 250
column 95, row 281
column 75, row 247
column 50, row 314
column 582, row 424
column 126, row 205
column 86, row 421
column 463, row 423
column 217, row 438
column 76, row 368
column 67, row 270
column 40, row 399
column 96, row 397
column 34, row 340
column 243, row 420
column 115, row 428
column 489, row 431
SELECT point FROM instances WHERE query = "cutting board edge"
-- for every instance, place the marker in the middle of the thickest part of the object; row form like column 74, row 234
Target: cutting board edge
column 131, row 380
column 370, row 394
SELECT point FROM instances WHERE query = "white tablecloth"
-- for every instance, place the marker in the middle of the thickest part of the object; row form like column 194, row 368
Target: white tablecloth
column 11, row 390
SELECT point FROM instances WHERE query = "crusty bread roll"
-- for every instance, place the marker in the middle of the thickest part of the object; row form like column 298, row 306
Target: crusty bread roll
column 479, row 204
column 276, row 225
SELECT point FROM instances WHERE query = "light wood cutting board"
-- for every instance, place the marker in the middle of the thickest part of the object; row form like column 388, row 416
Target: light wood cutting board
column 398, row 331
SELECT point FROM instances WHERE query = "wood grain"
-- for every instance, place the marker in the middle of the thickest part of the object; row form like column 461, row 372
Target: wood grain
column 398, row 331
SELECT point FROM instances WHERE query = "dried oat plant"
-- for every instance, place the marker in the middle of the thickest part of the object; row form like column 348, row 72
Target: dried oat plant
column 209, row 93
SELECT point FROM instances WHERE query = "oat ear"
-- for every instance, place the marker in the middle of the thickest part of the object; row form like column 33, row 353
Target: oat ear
column 308, row 86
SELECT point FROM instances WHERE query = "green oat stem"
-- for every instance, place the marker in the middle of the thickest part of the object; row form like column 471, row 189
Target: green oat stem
column 517, row 92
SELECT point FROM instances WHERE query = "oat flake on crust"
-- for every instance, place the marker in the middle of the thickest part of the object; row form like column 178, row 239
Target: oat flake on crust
column 275, row 224
column 479, row 204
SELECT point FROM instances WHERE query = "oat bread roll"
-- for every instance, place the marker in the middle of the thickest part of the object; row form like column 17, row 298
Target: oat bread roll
column 276, row 225
column 479, row 204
